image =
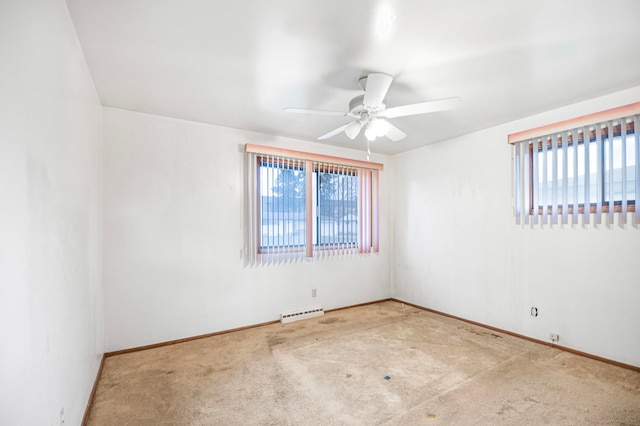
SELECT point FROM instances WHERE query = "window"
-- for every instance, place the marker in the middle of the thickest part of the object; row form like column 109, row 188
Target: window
column 305, row 205
column 282, row 192
column 335, row 203
column 282, row 205
column 579, row 167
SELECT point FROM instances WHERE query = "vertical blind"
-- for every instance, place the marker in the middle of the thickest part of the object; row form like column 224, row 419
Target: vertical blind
column 568, row 172
column 302, row 206
column 336, row 209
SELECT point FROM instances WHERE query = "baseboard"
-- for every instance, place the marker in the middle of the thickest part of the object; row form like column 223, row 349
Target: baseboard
column 521, row 336
column 87, row 409
column 186, row 339
column 359, row 305
column 218, row 333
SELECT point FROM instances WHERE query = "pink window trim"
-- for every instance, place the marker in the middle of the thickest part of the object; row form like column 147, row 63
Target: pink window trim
column 308, row 169
column 369, row 219
column 270, row 150
column 585, row 120
column 375, row 204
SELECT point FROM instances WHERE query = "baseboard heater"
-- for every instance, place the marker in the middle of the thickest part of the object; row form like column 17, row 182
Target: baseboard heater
column 298, row 315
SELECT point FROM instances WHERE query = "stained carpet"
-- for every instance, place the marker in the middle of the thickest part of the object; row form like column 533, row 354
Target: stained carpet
column 380, row 364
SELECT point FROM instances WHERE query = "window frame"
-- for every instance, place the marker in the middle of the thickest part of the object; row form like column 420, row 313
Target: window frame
column 367, row 200
column 529, row 191
column 316, row 205
column 266, row 249
column 617, row 204
column 267, row 161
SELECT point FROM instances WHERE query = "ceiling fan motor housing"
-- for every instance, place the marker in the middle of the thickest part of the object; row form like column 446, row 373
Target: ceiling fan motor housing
column 356, row 105
column 362, row 81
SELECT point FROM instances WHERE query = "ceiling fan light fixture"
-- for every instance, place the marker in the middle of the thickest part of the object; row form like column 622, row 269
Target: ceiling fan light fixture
column 370, row 134
column 379, row 127
column 353, row 130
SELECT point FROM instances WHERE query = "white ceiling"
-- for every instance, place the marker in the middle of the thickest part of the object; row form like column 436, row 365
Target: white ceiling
column 239, row 63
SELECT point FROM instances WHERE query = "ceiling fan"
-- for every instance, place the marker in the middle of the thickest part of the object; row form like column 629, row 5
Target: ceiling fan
column 370, row 112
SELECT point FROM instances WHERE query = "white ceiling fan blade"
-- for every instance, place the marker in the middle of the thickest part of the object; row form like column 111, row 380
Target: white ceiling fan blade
column 377, row 86
column 317, row 112
column 394, row 133
column 422, row 108
column 334, row 132
column 353, row 129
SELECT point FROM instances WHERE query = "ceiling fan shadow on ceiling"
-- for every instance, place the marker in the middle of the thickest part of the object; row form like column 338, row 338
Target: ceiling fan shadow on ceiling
column 371, row 113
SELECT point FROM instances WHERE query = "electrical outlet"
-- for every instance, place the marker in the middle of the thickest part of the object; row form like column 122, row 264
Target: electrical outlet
column 314, row 292
column 554, row 337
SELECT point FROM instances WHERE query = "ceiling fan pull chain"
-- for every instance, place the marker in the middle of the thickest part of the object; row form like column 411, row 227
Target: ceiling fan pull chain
column 368, row 149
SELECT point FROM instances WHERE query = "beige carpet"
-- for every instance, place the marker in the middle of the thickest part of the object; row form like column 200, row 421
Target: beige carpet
column 331, row 370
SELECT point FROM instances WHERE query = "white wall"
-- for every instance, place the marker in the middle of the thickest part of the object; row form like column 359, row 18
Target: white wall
column 173, row 235
column 51, row 319
column 459, row 251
